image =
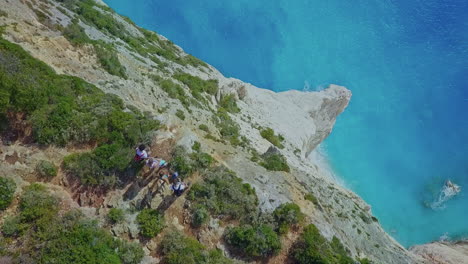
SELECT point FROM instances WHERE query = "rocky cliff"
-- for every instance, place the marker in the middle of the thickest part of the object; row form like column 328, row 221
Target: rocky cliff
column 303, row 119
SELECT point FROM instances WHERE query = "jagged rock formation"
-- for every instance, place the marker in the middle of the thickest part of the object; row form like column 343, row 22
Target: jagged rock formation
column 304, row 119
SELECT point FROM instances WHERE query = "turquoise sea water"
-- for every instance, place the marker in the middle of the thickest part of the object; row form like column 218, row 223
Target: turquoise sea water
column 405, row 130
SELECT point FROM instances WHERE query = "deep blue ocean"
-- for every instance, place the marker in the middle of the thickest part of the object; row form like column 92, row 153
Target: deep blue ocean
column 406, row 62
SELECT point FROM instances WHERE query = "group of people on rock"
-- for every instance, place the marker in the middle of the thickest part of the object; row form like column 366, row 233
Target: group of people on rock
column 160, row 167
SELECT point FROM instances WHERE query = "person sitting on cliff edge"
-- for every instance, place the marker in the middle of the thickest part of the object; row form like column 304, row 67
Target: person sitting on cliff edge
column 140, row 154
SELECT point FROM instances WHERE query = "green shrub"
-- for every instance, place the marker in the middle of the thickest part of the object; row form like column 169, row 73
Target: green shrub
column 115, row 215
column 77, row 240
column 174, row 91
column 286, row 215
column 228, row 129
column 11, row 226
column 150, row 222
column 313, row 248
column 311, row 197
column 196, row 146
column 36, row 203
column 204, row 128
column 275, row 162
column 181, row 162
column 197, row 85
column 365, row 261
column 179, row 249
column 63, row 109
column 47, row 237
column 180, row 114
column 7, row 190
column 46, row 169
column 200, row 216
column 76, row 34
column 269, row 135
column 107, row 57
column 224, row 194
column 228, row 102
column 254, row 241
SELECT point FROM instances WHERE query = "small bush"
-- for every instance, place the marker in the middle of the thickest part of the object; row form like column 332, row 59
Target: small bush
column 228, row 102
column 107, row 57
column 200, row 216
column 11, row 226
column 311, row 197
column 196, row 146
column 150, row 222
column 204, row 128
column 197, row 85
column 224, row 194
column 174, row 91
column 46, row 169
column 254, row 241
column 313, row 248
column 76, row 34
column 179, row 249
column 269, row 135
column 36, row 203
column 115, row 215
column 7, row 190
column 228, row 129
column 286, row 215
column 275, row 162
column 180, row 114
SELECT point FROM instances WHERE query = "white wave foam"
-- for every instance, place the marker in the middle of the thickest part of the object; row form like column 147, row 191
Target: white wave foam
column 448, row 191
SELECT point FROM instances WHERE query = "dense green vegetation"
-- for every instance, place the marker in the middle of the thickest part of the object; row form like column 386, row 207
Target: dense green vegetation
column 254, row 241
column 179, row 249
column 229, row 103
column 47, row 237
column 7, row 190
column 106, row 53
column 180, row 114
column 150, row 222
column 313, row 248
column 173, row 90
column 269, row 135
column 109, row 60
column 148, row 46
column 228, row 128
column 115, row 215
column 223, row 194
column 197, row 85
column 64, row 109
column 287, row 215
column 311, row 197
column 200, row 215
column 274, row 162
column 46, row 169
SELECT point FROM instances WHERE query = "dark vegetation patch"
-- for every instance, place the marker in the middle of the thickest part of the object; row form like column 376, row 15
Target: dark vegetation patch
column 7, row 190
column 46, row 169
column 312, row 247
column 269, row 135
column 274, row 162
column 67, row 110
column 228, row 128
column 115, row 215
column 198, row 87
column 287, row 215
column 224, row 195
column 47, row 237
column 179, row 249
column 254, row 241
column 150, row 222
column 229, row 103
column 148, row 46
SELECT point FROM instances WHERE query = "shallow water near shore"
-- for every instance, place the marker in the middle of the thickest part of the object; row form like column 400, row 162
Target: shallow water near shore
column 405, row 130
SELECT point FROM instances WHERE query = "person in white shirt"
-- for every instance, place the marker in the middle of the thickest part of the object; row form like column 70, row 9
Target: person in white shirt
column 141, row 153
